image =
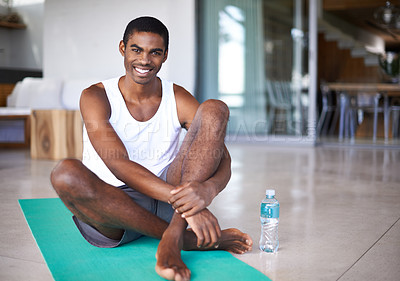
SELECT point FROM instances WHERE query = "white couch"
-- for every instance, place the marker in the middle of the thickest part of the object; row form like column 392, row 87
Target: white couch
column 37, row 94
column 46, row 93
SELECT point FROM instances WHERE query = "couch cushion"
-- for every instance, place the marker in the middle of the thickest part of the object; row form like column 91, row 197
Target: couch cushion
column 12, row 98
column 39, row 93
column 72, row 90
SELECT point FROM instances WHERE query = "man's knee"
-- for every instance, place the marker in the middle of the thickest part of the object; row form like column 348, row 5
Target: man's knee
column 215, row 109
column 67, row 176
column 63, row 172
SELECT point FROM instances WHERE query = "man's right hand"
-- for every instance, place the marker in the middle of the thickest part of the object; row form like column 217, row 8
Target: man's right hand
column 191, row 197
column 206, row 227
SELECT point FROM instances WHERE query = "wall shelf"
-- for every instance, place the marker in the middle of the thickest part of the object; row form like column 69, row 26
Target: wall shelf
column 12, row 25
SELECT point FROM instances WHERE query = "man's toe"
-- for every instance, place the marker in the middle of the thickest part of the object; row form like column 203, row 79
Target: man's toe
column 166, row 273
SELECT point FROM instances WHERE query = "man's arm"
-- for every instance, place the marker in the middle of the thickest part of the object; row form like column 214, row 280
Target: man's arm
column 96, row 111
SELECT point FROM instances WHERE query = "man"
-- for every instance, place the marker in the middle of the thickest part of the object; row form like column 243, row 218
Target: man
column 134, row 179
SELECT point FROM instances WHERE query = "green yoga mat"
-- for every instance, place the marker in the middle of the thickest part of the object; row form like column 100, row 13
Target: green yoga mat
column 70, row 257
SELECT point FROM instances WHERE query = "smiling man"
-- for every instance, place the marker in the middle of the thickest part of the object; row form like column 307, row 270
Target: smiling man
column 135, row 179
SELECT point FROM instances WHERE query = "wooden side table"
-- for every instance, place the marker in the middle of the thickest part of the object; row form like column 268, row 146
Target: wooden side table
column 56, row 134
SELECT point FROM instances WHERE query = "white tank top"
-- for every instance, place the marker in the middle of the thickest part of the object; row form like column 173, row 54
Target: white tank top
column 152, row 144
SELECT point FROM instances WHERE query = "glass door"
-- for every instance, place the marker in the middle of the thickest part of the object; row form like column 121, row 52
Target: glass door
column 253, row 55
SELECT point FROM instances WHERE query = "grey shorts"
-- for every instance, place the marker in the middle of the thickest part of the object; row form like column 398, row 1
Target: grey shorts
column 159, row 208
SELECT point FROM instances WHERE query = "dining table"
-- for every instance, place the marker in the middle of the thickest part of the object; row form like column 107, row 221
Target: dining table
column 347, row 91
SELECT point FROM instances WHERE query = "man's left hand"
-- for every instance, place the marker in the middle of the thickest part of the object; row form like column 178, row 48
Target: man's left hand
column 206, row 227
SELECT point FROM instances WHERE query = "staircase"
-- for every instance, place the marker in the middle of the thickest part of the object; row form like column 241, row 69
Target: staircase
column 344, row 41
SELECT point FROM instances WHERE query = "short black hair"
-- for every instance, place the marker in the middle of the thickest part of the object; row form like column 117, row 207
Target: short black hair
column 146, row 24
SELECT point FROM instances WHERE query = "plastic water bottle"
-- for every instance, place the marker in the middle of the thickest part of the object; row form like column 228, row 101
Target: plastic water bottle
column 269, row 216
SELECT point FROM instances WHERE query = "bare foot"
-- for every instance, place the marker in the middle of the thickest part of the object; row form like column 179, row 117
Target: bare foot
column 231, row 240
column 235, row 241
column 169, row 263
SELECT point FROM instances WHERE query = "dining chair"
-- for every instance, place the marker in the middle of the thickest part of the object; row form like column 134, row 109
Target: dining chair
column 330, row 104
column 395, row 110
column 279, row 99
column 357, row 107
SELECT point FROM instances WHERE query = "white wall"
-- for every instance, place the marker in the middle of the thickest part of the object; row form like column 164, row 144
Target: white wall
column 23, row 49
column 81, row 37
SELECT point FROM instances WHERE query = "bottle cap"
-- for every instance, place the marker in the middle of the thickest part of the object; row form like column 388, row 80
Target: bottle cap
column 270, row 192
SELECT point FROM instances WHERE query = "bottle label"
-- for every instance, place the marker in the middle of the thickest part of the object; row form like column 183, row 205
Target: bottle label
column 270, row 212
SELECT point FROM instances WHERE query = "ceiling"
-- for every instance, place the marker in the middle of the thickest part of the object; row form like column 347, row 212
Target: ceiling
column 361, row 13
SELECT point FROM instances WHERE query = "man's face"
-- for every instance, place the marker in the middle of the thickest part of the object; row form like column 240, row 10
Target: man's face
column 143, row 56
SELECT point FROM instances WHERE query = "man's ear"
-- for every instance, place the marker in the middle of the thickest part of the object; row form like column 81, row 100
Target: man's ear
column 165, row 55
column 122, row 48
